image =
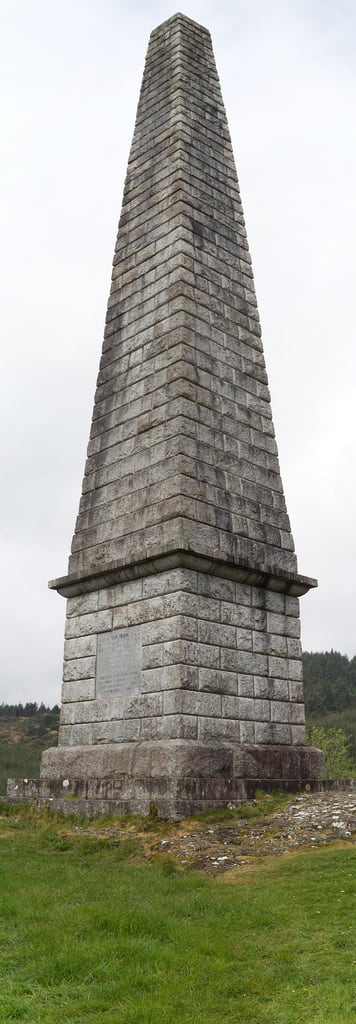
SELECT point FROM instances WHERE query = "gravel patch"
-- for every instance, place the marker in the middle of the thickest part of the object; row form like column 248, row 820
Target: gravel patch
column 308, row 821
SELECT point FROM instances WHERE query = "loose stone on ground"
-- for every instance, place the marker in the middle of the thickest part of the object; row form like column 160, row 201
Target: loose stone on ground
column 307, row 821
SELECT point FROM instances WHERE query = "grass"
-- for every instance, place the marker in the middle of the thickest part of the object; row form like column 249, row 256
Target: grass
column 91, row 930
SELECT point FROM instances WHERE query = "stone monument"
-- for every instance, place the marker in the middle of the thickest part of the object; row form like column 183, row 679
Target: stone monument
column 182, row 682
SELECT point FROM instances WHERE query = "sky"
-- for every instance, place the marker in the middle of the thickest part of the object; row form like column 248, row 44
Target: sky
column 70, row 74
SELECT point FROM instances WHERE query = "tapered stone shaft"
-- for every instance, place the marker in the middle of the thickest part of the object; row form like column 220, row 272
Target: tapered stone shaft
column 182, row 453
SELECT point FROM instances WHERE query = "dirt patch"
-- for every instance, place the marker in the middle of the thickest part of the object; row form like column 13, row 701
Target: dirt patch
column 307, row 821
column 219, row 845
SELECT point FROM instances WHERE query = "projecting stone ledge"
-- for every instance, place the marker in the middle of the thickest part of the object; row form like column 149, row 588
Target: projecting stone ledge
column 178, row 778
column 280, row 581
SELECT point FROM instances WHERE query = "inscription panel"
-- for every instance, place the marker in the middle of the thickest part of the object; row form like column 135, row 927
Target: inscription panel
column 119, row 663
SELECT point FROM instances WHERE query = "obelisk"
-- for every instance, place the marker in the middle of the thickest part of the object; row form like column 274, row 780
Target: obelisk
column 182, row 682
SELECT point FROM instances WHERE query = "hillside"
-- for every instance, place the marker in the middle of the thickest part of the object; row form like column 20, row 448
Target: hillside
column 23, row 736
column 330, row 693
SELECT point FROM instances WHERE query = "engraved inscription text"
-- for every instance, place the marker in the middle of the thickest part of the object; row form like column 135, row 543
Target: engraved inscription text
column 119, row 663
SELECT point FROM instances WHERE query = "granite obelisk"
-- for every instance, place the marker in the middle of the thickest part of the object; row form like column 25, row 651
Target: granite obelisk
column 182, row 679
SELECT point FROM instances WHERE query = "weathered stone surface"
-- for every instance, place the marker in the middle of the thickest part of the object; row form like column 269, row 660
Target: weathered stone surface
column 178, row 777
column 182, row 453
column 182, row 665
column 200, row 670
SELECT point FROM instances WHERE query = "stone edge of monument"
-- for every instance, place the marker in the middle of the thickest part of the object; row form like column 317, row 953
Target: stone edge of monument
column 179, row 779
column 278, row 580
column 178, row 16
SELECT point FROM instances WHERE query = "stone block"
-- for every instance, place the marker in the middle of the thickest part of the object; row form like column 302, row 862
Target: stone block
column 121, row 594
column 284, row 625
column 259, row 643
column 294, row 648
column 168, row 677
column 80, row 689
column 216, row 633
column 277, row 645
column 251, row 618
column 213, row 586
column 64, row 736
column 200, row 607
column 223, row 729
column 279, row 667
column 192, row 703
column 168, row 582
column 67, row 714
column 126, row 730
column 244, row 595
column 120, row 617
column 251, row 663
column 229, row 660
column 230, row 708
column 275, row 602
column 217, row 681
column 80, row 647
column 292, row 606
column 253, row 709
column 82, row 604
column 230, row 613
column 79, row 668
column 170, row 727
column 245, row 685
column 245, row 640
column 281, row 734
column 152, row 760
column 263, row 732
column 262, row 687
column 297, row 715
column 295, row 670
column 84, row 625
column 299, row 735
column 177, row 627
column 296, row 691
column 152, row 656
column 247, row 732
column 81, row 735
column 204, row 655
column 280, row 689
column 280, row 711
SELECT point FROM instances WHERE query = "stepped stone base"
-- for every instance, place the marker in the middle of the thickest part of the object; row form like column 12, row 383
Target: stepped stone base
column 179, row 778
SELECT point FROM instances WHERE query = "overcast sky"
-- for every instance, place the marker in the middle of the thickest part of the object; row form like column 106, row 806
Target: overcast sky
column 70, row 73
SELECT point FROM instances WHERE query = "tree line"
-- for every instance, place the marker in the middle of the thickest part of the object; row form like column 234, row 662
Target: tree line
column 329, row 682
column 29, row 710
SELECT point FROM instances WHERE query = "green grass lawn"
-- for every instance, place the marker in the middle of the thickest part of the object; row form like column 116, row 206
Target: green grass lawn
column 90, row 931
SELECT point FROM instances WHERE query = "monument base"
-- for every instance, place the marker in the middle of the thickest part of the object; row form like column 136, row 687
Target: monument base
column 171, row 779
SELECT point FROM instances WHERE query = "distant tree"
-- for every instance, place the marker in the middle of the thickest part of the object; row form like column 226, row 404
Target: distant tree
column 329, row 682
column 335, row 745
column 29, row 710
